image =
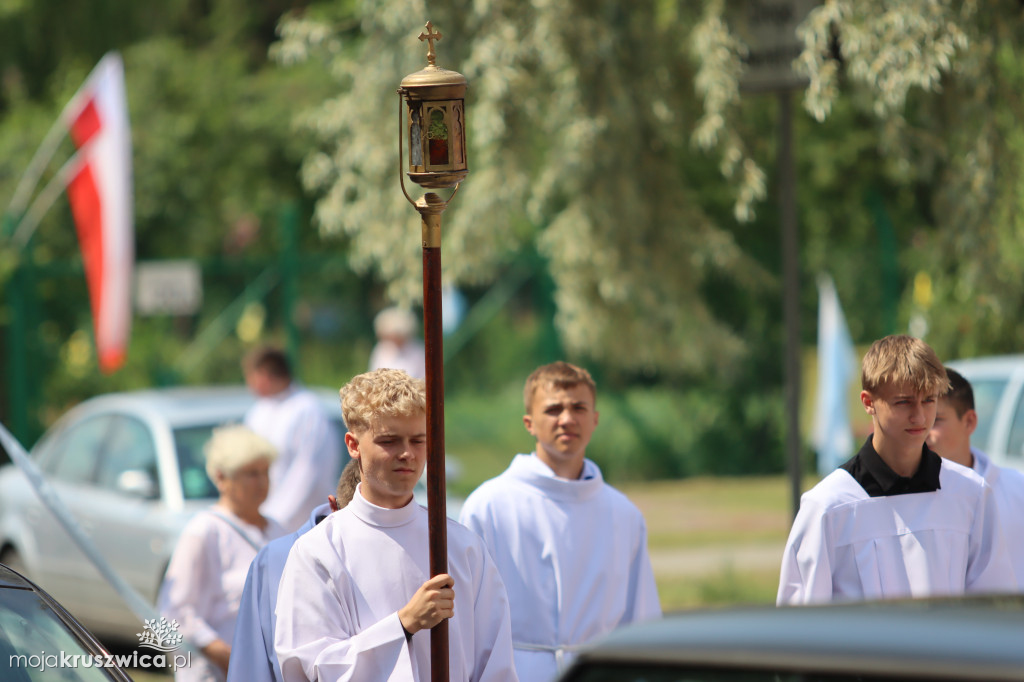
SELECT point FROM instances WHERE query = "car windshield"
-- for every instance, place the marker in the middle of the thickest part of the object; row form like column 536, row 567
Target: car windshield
column 987, row 393
column 189, row 443
column 36, row 645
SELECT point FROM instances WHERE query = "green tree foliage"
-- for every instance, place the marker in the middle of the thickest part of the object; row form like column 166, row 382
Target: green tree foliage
column 578, row 116
column 935, row 90
column 215, row 158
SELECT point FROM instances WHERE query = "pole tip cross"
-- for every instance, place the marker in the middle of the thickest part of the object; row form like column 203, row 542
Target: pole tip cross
column 430, row 36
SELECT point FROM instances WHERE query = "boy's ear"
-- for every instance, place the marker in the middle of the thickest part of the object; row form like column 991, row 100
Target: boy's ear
column 352, row 443
column 528, row 423
column 970, row 421
column 868, row 402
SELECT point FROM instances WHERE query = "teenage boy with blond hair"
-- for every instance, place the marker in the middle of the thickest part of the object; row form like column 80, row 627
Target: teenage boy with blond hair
column 950, row 437
column 896, row 520
column 571, row 549
column 356, row 600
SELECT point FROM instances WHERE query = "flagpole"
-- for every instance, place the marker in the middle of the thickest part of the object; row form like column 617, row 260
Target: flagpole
column 24, row 229
column 41, row 159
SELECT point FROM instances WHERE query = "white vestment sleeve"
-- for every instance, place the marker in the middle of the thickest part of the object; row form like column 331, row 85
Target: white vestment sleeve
column 314, row 638
column 492, row 653
column 989, row 568
column 642, row 602
column 806, row 575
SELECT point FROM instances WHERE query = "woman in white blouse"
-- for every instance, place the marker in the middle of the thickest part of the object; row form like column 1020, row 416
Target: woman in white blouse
column 203, row 585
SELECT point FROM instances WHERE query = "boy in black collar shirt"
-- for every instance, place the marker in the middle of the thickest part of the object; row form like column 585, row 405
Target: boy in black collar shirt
column 896, row 520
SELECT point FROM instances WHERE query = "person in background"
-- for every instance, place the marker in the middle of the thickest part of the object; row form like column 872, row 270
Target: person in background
column 950, row 437
column 396, row 347
column 252, row 652
column 571, row 549
column 896, row 520
column 292, row 418
column 203, row 585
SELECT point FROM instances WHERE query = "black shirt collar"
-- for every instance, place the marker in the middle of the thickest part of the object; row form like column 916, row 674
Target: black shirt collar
column 878, row 480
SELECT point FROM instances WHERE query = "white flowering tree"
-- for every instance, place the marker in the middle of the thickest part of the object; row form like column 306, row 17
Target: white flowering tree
column 942, row 81
column 579, row 120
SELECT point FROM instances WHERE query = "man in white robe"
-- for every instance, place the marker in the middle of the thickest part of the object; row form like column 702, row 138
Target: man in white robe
column 356, row 600
column 252, row 653
column 292, row 418
column 571, row 549
column 896, row 520
column 950, row 437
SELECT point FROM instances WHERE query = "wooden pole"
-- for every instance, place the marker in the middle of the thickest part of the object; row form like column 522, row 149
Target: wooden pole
column 430, row 208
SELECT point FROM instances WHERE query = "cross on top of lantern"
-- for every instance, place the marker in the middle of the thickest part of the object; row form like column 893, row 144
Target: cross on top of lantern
column 435, row 121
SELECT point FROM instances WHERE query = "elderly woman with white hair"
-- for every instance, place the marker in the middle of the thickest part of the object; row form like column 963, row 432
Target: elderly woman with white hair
column 203, row 585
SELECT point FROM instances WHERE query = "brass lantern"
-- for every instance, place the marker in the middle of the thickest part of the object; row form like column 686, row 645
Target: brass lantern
column 435, row 121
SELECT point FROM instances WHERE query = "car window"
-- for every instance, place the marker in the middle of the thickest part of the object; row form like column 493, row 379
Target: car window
column 73, row 455
column 129, row 446
column 189, row 444
column 36, row 646
column 987, row 393
column 1015, row 447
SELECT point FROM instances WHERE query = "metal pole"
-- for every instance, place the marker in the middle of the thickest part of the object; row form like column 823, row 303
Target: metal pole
column 290, row 279
column 430, row 208
column 791, row 293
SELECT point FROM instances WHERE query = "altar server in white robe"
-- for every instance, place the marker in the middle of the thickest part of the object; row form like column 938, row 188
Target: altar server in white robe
column 203, row 585
column 252, row 651
column 356, row 600
column 571, row 549
column 950, row 437
column 896, row 520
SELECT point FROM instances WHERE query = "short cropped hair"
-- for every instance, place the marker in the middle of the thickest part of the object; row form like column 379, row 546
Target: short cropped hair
column 559, row 374
column 900, row 359
column 268, row 359
column 960, row 394
column 234, row 446
column 381, row 393
column 350, row 478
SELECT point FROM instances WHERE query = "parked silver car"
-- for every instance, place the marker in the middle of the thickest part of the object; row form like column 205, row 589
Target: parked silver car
column 998, row 383
column 969, row 640
column 130, row 467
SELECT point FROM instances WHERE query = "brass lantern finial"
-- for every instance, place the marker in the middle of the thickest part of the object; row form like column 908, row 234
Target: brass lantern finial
column 430, row 36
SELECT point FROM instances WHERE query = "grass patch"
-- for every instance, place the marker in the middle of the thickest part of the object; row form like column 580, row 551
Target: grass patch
column 729, row 587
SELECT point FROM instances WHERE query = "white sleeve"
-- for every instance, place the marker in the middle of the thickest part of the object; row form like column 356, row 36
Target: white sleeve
column 806, row 575
column 314, row 637
column 988, row 564
column 191, row 587
column 492, row 654
column 642, row 601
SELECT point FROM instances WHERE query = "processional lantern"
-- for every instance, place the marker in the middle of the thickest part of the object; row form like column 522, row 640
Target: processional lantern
column 433, row 120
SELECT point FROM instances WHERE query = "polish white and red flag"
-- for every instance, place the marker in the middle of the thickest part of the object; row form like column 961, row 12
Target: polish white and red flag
column 100, row 193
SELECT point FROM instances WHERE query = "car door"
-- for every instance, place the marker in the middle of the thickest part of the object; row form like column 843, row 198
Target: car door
column 69, row 460
column 130, row 524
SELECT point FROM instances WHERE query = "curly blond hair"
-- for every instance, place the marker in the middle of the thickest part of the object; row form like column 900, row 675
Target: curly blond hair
column 903, row 360
column 381, row 393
